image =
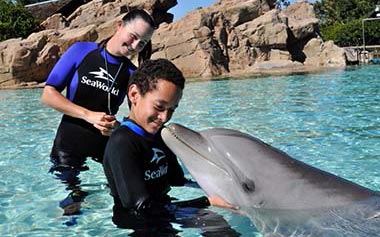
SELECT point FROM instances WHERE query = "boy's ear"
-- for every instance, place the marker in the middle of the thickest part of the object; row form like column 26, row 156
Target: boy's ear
column 133, row 93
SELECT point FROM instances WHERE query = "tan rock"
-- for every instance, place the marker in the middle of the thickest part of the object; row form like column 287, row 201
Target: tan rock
column 30, row 60
column 55, row 22
column 276, row 54
column 267, row 30
column 229, row 37
column 301, row 20
column 324, row 54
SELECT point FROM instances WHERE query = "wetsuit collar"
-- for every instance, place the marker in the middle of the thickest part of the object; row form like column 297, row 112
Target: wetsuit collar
column 136, row 128
column 112, row 58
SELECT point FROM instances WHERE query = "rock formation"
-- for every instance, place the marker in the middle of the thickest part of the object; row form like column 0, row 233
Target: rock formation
column 230, row 37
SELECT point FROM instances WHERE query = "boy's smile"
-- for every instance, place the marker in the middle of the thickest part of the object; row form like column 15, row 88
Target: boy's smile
column 156, row 107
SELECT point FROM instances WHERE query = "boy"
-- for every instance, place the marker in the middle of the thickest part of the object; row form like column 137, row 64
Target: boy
column 139, row 167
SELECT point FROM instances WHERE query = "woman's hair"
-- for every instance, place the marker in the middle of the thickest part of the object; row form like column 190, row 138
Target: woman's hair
column 147, row 75
column 139, row 14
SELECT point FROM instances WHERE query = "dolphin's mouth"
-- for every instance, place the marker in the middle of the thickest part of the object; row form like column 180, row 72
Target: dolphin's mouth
column 174, row 134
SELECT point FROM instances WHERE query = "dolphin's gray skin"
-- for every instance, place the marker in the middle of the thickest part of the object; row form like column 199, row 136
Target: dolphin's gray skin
column 281, row 195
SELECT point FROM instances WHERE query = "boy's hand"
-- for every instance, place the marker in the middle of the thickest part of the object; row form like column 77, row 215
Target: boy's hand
column 218, row 202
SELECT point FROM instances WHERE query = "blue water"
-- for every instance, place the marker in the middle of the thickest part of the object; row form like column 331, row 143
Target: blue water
column 330, row 120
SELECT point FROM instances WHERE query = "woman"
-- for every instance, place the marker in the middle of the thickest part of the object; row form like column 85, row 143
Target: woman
column 95, row 77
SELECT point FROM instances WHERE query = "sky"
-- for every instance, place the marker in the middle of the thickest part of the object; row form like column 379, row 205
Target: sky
column 185, row 6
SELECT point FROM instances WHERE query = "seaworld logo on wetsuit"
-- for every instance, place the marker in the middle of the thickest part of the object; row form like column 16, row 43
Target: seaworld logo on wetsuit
column 162, row 169
column 157, row 155
column 104, row 75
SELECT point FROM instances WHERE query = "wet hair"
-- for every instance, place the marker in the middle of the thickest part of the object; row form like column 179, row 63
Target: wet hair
column 147, row 75
column 138, row 14
column 145, row 53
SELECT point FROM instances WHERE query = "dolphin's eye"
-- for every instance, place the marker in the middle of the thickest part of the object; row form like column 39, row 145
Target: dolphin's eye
column 248, row 186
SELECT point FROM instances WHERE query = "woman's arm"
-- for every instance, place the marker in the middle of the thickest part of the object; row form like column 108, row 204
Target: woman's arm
column 53, row 98
column 59, row 78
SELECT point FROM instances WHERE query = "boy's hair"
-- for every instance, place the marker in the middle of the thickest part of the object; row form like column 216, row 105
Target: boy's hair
column 147, row 75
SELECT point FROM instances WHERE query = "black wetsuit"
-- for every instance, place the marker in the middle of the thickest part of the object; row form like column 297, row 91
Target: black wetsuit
column 140, row 169
column 88, row 79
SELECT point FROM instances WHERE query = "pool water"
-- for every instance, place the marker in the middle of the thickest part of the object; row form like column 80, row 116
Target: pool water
column 330, row 120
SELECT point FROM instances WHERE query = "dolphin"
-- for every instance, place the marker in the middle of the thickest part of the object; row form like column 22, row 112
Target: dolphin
column 282, row 195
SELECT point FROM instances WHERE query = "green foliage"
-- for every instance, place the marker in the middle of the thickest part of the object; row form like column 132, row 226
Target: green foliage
column 344, row 34
column 15, row 21
column 342, row 11
column 341, row 21
column 372, row 32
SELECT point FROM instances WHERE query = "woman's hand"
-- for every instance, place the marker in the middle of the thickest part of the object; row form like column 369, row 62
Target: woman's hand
column 104, row 122
column 53, row 98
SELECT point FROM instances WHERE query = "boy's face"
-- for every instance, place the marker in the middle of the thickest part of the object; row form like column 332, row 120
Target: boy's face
column 156, row 107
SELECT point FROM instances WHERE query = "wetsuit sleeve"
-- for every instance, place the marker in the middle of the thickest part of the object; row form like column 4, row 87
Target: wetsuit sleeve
column 66, row 66
column 123, row 170
column 201, row 202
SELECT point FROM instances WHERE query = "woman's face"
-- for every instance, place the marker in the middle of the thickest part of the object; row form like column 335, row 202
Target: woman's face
column 133, row 36
column 156, row 107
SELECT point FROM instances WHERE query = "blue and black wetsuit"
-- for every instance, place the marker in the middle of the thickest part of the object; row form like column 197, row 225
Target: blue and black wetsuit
column 87, row 73
column 140, row 169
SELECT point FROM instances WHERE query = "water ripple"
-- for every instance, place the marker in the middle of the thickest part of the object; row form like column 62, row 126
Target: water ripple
column 330, row 120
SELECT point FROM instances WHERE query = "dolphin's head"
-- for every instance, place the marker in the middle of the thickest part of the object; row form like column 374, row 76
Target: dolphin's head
column 215, row 158
column 245, row 171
